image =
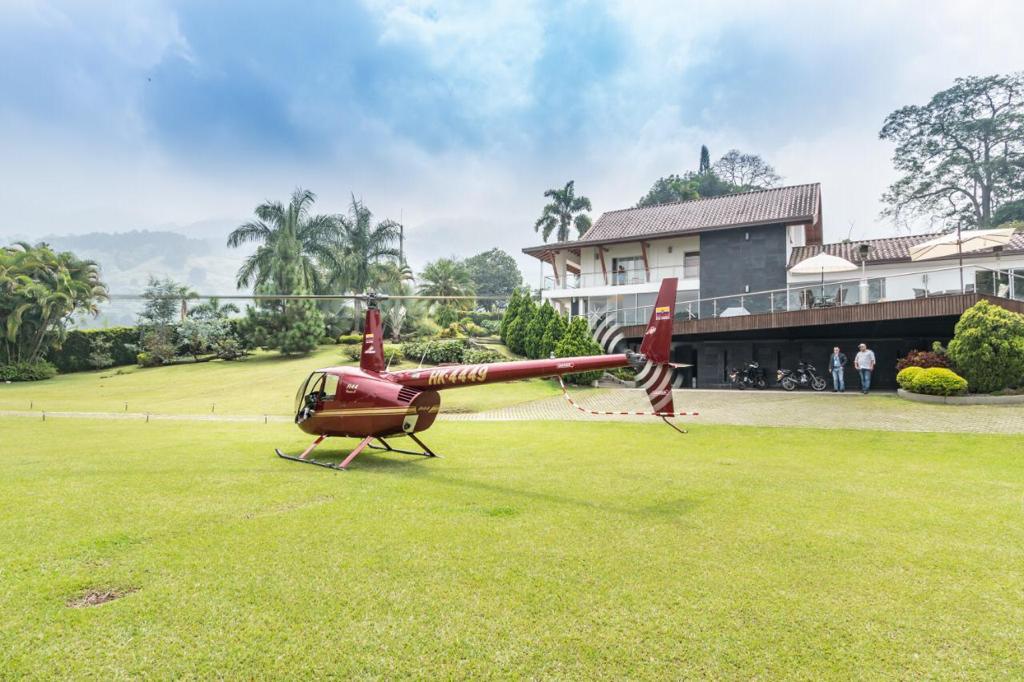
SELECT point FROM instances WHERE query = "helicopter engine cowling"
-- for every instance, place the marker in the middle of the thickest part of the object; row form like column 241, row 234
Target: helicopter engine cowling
column 365, row 405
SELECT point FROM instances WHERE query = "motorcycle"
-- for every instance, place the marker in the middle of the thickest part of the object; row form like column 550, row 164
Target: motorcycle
column 751, row 376
column 804, row 376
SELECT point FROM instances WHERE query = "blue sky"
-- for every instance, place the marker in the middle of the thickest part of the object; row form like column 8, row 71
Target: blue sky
column 455, row 116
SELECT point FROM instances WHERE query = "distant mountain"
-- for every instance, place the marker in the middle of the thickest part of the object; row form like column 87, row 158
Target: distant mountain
column 128, row 259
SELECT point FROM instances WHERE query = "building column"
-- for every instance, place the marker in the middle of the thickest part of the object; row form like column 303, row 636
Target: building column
column 560, row 269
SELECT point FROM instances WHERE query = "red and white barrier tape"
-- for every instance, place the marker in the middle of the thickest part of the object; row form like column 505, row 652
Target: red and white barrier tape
column 565, row 392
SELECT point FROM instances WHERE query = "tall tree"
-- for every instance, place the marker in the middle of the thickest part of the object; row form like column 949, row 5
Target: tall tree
column 746, row 171
column 564, row 210
column 961, row 155
column 705, row 160
column 367, row 251
column 41, row 290
column 494, row 273
column 447, row 277
column 291, row 241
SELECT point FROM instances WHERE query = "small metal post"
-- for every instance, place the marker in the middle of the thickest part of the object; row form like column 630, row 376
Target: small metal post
column 213, row 406
column 264, row 419
column 147, row 417
column 44, row 415
column 126, row 407
column 31, row 404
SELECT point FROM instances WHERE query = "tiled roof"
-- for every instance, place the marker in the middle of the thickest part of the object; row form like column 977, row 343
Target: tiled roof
column 760, row 207
column 888, row 250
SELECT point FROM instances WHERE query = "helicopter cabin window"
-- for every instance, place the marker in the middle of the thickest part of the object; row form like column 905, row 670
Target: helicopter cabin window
column 317, row 388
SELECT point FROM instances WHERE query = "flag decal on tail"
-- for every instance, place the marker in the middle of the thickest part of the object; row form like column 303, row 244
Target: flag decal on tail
column 663, row 313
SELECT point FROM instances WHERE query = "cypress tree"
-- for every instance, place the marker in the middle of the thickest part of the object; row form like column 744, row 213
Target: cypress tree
column 553, row 334
column 511, row 312
column 517, row 328
column 535, row 331
column 578, row 342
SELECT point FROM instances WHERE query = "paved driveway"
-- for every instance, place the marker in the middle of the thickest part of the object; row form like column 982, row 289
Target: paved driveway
column 883, row 411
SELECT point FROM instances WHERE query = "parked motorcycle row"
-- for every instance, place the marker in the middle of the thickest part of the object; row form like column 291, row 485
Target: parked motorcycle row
column 754, row 376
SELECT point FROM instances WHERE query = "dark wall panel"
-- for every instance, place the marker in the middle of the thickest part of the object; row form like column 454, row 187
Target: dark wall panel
column 752, row 257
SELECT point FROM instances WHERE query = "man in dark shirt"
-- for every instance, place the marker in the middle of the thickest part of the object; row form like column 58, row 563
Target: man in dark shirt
column 837, row 365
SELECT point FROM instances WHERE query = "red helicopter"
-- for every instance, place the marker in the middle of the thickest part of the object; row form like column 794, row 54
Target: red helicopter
column 373, row 404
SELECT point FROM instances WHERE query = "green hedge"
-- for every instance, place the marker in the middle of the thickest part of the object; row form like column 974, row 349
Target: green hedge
column 27, row 371
column 76, row 352
column 937, row 381
column 434, row 352
column 350, row 339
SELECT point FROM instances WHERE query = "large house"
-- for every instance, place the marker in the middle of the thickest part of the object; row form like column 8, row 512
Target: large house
column 738, row 299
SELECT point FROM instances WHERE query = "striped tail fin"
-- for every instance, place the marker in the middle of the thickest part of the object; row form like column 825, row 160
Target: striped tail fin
column 657, row 377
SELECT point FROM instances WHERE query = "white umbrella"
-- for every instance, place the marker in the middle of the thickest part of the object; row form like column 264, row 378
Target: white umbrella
column 957, row 243
column 821, row 264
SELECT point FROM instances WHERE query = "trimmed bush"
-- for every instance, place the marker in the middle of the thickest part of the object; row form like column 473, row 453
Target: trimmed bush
column 86, row 349
column 905, row 377
column 350, row 339
column 481, row 356
column 938, row 381
column 434, row 351
column 28, row 371
column 988, row 348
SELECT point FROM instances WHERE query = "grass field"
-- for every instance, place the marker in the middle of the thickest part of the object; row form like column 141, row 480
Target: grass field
column 542, row 549
column 262, row 384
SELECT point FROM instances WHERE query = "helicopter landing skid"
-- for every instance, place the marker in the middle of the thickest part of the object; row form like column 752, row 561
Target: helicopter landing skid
column 363, row 444
column 427, row 452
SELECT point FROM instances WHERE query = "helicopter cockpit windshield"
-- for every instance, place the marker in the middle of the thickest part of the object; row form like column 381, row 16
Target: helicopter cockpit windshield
column 317, row 388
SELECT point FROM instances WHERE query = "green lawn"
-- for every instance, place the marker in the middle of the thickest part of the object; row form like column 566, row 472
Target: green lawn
column 542, row 549
column 262, row 384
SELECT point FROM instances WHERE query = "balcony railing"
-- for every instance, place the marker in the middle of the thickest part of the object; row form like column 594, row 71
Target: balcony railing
column 805, row 296
column 623, row 278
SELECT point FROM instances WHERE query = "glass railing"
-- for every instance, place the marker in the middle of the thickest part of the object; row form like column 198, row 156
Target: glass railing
column 872, row 289
column 622, row 277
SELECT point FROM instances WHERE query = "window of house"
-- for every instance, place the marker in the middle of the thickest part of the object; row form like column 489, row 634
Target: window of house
column 628, row 270
column 691, row 264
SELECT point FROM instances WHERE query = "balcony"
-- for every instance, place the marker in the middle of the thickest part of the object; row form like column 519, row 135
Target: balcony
column 623, row 278
column 920, row 286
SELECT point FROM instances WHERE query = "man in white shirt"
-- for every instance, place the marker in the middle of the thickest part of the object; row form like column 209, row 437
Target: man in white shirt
column 864, row 363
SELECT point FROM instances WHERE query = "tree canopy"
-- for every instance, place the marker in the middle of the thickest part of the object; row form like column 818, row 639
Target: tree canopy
column 961, row 155
column 295, row 247
column 734, row 172
column 565, row 210
column 494, row 273
column 42, row 290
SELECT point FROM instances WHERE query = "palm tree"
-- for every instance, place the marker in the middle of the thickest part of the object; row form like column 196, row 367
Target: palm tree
column 564, row 210
column 366, row 252
column 294, row 246
column 213, row 310
column 447, row 277
column 41, row 291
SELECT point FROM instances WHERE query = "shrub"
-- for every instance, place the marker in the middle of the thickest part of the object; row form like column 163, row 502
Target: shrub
column 352, row 352
column 938, row 381
column 988, row 347
column 85, row 349
column 28, row 371
column 492, row 326
column 576, row 342
column 427, row 327
column 474, row 329
column 534, row 343
column 905, row 377
column 553, row 334
column 350, row 339
column 482, row 356
column 922, row 358
column 435, row 351
column 452, row 331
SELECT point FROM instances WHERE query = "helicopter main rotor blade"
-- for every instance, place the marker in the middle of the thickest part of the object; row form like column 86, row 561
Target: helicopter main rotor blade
column 306, row 297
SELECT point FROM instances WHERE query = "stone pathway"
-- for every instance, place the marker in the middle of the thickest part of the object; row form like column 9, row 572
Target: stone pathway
column 879, row 411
